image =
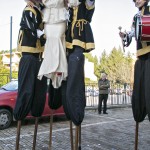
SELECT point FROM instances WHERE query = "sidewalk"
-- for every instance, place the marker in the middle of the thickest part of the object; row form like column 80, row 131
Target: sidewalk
column 115, row 131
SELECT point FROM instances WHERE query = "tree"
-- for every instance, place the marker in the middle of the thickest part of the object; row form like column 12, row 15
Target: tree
column 118, row 66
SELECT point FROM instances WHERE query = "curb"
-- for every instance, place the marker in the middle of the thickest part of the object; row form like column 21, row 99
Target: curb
column 108, row 107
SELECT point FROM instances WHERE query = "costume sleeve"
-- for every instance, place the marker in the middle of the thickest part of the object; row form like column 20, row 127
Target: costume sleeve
column 39, row 33
column 128, row 37
column 30, row 21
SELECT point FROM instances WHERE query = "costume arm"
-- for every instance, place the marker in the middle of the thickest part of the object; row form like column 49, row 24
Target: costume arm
column 39, row 33
column 31, row 23
column 128, row 36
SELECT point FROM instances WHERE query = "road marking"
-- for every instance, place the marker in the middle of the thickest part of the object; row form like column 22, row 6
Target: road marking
column 64, row 129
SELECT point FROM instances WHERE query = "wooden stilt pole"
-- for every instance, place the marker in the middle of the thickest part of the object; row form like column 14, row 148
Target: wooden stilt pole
column 18, row 134
column 71, row 135
column 79, row 138
column 136, row 135
column 35, row 133
column 51, row 127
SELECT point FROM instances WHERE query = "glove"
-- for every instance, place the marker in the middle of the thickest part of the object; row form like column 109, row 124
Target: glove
column 39, row 33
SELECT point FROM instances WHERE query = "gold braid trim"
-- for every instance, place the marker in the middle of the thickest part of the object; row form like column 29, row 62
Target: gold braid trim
column 31, row 9
column 30, row 49
column 84, row 45
column 143, row 51
column 79, row 24
column 75, row 11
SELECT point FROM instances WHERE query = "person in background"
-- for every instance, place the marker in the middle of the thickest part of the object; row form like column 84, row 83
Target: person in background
column 104, row 86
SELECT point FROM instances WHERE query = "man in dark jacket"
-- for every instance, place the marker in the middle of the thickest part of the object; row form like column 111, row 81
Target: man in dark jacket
column 103, row 85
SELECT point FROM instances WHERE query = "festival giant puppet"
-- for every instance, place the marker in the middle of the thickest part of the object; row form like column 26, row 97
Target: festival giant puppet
column 79, row 40
column 31, row 91
column 140, row 30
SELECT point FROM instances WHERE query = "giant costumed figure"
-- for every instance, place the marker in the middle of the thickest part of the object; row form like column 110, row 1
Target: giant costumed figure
column 54, row 65
column 79, row 40
column 141, row 86
column 31, row 91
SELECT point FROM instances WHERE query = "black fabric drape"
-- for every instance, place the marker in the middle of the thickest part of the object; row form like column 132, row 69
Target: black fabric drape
column 75, row 102
column 31, row 92
column 63, row 90
column 55, row 97
column 138, row 96
column 40, row 89
column 147, row 86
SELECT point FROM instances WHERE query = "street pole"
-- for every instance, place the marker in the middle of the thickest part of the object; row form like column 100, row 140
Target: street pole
column 10, row 48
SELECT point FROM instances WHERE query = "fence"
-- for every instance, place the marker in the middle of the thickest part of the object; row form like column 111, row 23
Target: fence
column 117, row 96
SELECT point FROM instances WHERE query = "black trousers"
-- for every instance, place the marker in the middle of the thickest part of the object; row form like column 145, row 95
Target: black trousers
column 31, row 91
column 74, row 89
column 102, row 98
column 141, row 88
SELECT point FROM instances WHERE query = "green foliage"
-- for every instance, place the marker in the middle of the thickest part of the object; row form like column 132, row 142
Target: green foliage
column 117, row 65
column 7, row 51
column 5, row 74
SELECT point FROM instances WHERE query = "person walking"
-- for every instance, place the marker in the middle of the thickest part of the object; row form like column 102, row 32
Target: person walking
column 104, row 86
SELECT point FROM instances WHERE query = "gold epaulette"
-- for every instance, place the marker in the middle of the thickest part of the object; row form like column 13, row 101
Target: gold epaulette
column 30, row 9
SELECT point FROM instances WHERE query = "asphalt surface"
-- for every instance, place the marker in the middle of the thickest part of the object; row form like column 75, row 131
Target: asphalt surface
column 115, row 131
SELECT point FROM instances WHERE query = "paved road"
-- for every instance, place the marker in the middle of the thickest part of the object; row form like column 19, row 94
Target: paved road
column 114, row 131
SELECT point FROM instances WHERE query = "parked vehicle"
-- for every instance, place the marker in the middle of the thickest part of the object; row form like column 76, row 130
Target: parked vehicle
column 8, row 94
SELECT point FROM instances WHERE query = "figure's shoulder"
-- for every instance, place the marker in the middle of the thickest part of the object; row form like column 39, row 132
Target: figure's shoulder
column 31, row 9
